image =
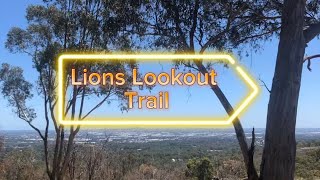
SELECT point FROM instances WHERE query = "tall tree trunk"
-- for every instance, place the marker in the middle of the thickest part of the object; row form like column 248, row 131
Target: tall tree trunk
column 278, row 160
column 247, row 153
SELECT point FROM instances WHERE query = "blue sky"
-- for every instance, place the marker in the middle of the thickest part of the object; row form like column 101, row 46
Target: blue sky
column 193, row 100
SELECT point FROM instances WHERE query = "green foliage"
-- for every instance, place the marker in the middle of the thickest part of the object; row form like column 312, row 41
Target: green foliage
column 17, row 40
column 22, row 164
column 55, row 27
column 202, row 25
column 17, row 91
column 232, row 22
column 199, row 26
column 308, row 163
column 202, row 169
column 119, row 159
column 60, row 26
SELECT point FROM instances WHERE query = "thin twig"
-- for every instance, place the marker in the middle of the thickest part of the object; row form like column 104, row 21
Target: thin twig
column 308, row 58
column 265, row 85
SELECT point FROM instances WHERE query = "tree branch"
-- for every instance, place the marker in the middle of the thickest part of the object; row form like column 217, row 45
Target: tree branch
column 258, row 35
column 36, row 129
column 190, row 66
column 215, row 38
column 309, row 60
column 97, row 106
column 26, row 119
column 251, row 169
column 311, row 32
column 265, row 85
column 194, row 24
column 82, row 102
column 176, row 19
column 229, row 109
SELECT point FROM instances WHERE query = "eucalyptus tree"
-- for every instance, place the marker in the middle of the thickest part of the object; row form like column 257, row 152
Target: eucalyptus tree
column 55, row 27
column 181, row 26
column 200, row 25
column 300, row 23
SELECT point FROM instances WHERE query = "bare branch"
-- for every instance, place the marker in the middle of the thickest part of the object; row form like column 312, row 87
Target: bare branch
column 26, row 118
column 229, row 109
column 309, row 60
column 36, row 129
column 265, row 85
column 52, row 106
column 252, row 146
column 82, row 101
column 251, row 169
column 189, row 66
column 97, row 106
column 258, row 35
column 311, row 32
